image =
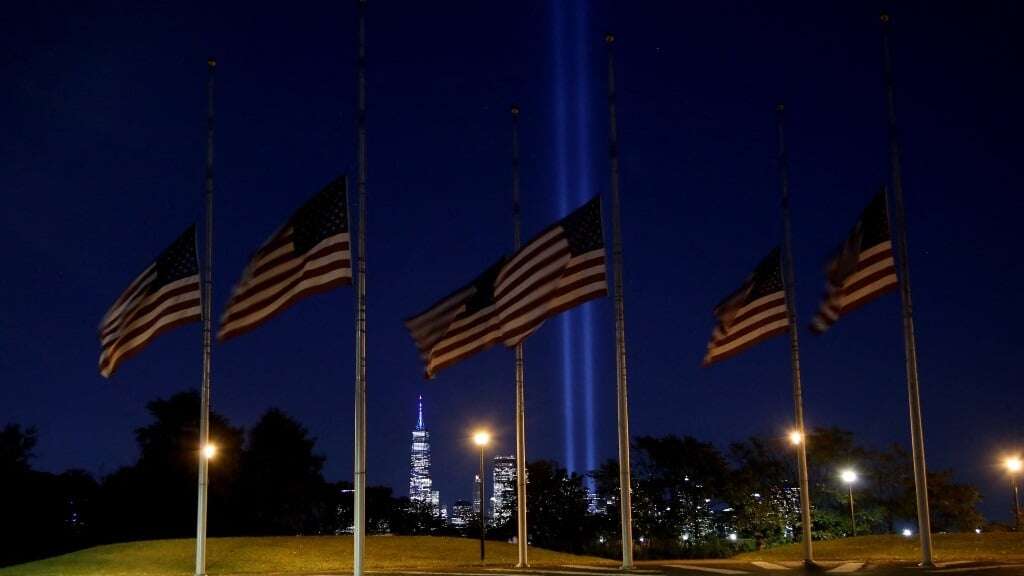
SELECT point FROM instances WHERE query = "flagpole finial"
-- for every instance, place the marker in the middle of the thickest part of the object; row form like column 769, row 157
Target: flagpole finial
column 515, row 110
column 609, row 38
column 211, row 62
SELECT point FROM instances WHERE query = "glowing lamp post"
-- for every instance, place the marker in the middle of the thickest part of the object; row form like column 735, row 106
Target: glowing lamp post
column 1014, row 465
column 209, row 451
column 796, row 438
column 849, row 477
column 482, row 438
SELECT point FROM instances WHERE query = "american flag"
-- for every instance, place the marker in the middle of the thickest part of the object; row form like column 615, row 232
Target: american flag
column 862, row 269
column 309, row 254
column 459, row 325
column 165, row 295
column 755, row 312
column 561, row 268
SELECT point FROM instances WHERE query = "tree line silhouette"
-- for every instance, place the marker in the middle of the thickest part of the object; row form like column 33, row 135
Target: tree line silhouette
column 690, row 498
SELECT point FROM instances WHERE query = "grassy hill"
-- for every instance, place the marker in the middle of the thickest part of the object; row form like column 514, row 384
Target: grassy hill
column 992, row 546
column 283, row 555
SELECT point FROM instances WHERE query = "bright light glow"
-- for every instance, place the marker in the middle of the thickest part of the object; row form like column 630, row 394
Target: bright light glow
column 209, row 451
column 977, row 530
column 1014, row 464
column 908, row 532
column 848, row 476
column 686, row 537
column 482, row 438
column 733, row 537
column 795, row 437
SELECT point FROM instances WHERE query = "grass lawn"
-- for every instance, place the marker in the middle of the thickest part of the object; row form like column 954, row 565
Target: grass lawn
column 991, row 546
column 284, row 555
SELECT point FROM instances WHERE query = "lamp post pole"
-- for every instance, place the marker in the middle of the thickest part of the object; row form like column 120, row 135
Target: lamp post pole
column 482, row 438
column 1016, row 501
column 849, row 477
column 853, row 519
column 483, row 506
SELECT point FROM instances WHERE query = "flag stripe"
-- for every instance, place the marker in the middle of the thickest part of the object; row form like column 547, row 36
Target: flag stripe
column 133, row 291
column 310, row 253
column 165, row 295
column 562, row 267
column 862, row 269
column 465, row 331
column 566, row 283
column 755, row 312
column 328, row 272
column 766, row 333
column 551, row 281
column 173, row 314
column 168, row 306
column 150, row 306
column 261, row 290
column 596, row 287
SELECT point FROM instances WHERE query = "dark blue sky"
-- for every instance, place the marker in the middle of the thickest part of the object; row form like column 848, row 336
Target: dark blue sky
column 103, row 148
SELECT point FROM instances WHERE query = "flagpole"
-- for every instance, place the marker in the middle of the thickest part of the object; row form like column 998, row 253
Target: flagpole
column 359, row 504
column 625, row 497
column 204, row 410
column 521, row 531
column 913, row 391
column 794, row 343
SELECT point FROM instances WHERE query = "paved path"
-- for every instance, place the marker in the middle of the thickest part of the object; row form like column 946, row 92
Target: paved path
column 730, row 568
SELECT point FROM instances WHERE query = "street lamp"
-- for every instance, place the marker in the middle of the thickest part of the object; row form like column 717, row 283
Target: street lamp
column 209, row 451
column 482, row 438
column 1014, row 465
column 849, row 477
column 796, row 437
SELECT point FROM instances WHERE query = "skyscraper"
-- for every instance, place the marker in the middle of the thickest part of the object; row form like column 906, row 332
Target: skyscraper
column 462, row 514
column 476, row 493
column 420, row 484
column 503, row 491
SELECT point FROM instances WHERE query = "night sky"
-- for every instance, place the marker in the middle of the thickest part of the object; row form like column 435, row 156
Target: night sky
column 103, row 147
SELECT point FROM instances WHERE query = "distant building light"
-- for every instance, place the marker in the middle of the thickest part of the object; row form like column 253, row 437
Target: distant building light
column 977, row 530
column 686, row 537
column 908, row 532
column 733, row 537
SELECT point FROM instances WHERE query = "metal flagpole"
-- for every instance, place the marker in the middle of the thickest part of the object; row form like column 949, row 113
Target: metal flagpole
column 794, row 344
column 359, row 504
column 625, row 498
column 521, row 531
column 204, row 410
column 916, row 427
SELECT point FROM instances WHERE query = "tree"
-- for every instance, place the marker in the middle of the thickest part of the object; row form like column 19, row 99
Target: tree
column 678, row 479
column 763, row 491
column 607, row 526
column 156, row 498
column 16, row 445
column 281, row 484
column 43, row 514
column 557, row 508
column 953, row 506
